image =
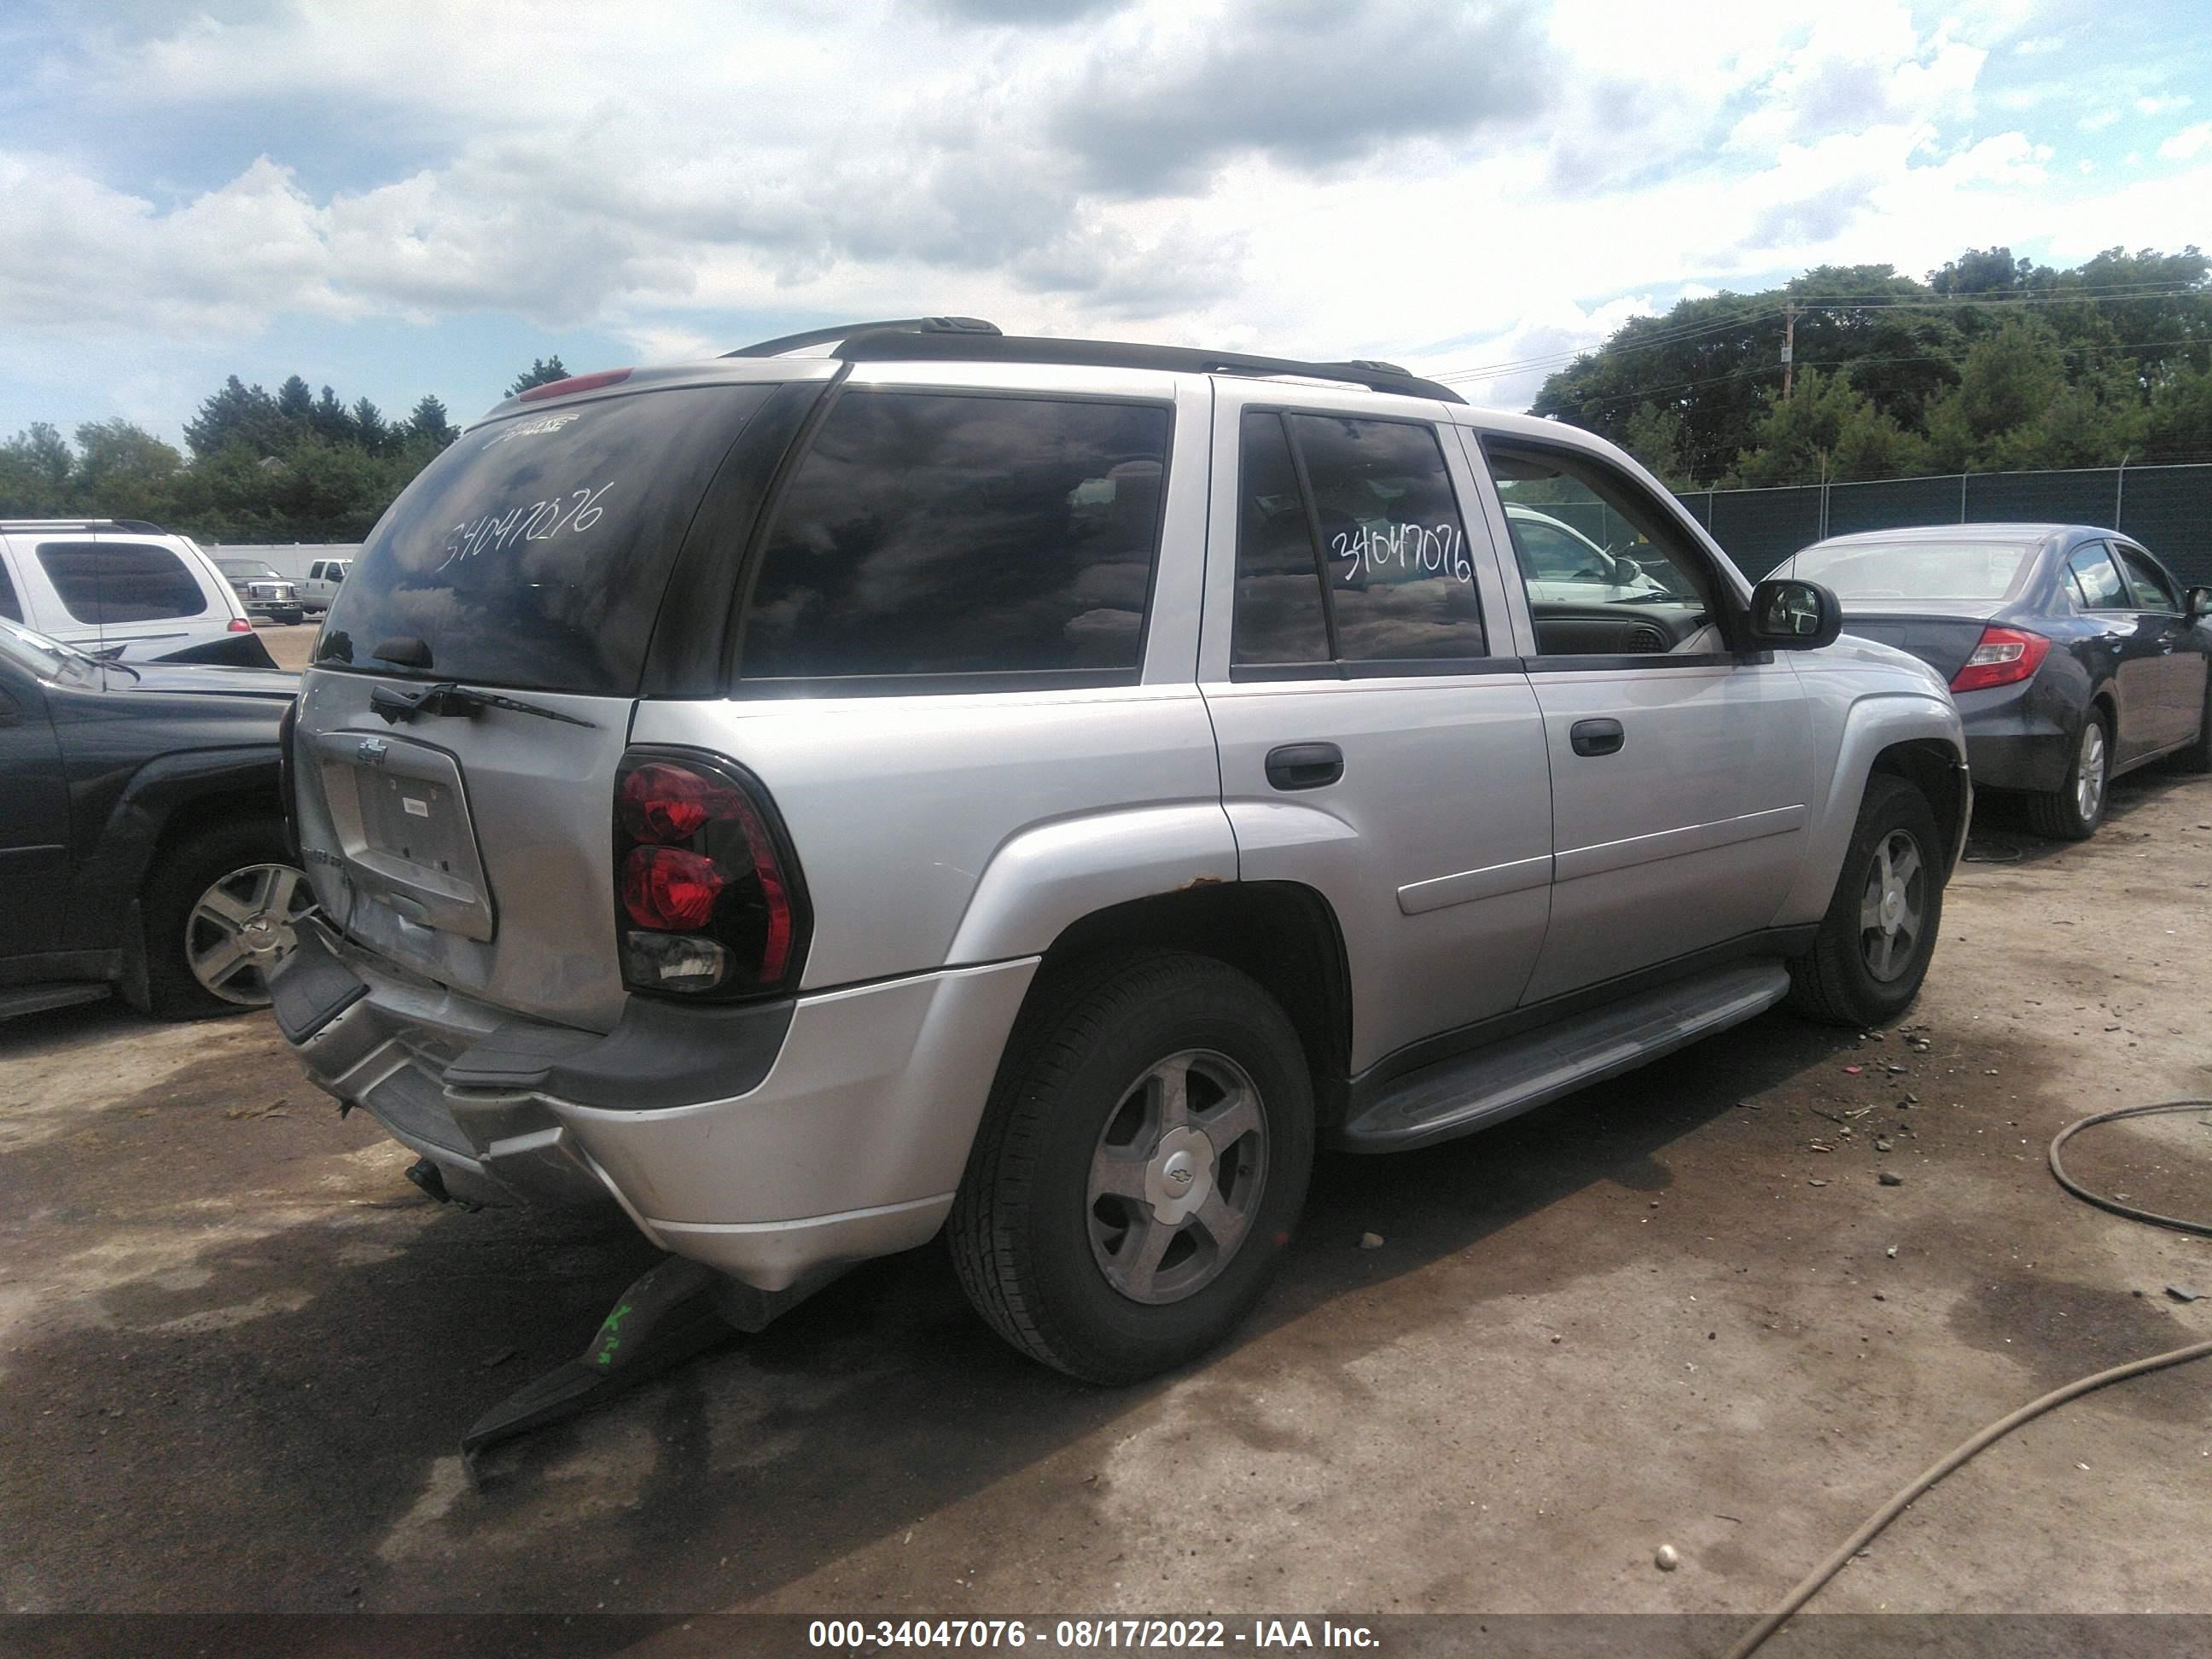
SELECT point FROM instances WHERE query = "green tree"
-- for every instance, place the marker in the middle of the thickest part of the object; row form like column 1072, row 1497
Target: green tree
column 1654, row 435
column 542, row 371
column 1826, row 430
column 369, row 430
column 331, row 420
column 297, row 403
column 237, row 414
column 35, row 465
column 430, row 422
column 123, row 471
column 2006, row 382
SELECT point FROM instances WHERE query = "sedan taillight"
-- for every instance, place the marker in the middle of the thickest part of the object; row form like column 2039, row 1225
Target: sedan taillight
column 2003, row 656
column 708, row 888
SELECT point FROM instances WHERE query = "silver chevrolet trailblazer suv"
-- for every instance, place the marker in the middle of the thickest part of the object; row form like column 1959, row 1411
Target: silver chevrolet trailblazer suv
column 906, row 778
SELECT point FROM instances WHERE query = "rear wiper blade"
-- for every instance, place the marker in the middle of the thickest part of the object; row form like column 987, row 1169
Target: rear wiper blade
column 394, row 705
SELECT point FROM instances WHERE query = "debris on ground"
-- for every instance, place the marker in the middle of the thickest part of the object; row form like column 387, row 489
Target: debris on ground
column 1890, row 1178
column 2183, row 1293
column 1667, row 1559
column 1371, row 1241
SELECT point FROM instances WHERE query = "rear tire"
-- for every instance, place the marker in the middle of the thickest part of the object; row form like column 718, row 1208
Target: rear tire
column 1115, row 1222
column 2074, row 810
column 1879, row 935
column 219, row 909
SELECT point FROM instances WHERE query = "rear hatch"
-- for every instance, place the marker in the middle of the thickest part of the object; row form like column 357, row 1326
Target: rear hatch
column 1942, row 633
column 470, row 840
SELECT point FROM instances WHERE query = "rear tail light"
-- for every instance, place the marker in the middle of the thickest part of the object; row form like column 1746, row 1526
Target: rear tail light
column 239, row 625
column 2003, row 656
column 708, row 887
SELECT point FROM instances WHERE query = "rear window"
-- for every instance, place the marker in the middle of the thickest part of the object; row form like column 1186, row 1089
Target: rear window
column 1916, row 570
column 109, row 582
column 942, row 534
column 534, row 552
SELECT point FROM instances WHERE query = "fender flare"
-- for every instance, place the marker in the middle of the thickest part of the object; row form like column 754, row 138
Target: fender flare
column 1046, row 877
column 121, row 851
column 1873, row 724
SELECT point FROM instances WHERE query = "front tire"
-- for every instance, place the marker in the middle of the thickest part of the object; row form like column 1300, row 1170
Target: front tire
column 219, row 911
column 1139, row 1168
column 2074, row 810
column 1879, row 935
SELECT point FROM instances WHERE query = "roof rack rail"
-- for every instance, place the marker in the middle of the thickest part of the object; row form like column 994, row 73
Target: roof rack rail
column 967, row 327
column 137, row 527
column 898, row 342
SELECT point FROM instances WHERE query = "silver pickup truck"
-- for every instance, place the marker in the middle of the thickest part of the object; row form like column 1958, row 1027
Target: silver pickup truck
column 1038, row 789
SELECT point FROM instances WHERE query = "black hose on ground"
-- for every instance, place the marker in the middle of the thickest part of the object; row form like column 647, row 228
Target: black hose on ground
column 1810, row 1587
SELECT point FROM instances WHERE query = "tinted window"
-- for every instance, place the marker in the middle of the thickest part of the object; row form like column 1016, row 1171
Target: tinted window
column 2097, row 584
column 11, row 606
column 101, row 582
column 928, row 533
column 1939, row 569
column 533, row 551
column 1279, row 600
column 1401, row 583
column 2148, row 586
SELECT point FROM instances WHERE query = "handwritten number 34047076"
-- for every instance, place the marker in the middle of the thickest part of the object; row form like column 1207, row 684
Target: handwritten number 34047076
column 1435, row 551
column 576, row 511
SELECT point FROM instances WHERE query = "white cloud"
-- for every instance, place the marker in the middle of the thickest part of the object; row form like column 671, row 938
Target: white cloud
column 2035, row 45
column 2185, row 143
column 2099, row 120
column 2163, row 103
column 1273, row 175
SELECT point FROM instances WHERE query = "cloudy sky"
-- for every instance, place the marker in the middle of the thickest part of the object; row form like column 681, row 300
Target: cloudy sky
column 411, row 195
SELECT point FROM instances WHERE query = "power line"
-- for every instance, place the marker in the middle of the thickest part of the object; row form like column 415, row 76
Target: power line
column 1654, row 394
column 2117, row 293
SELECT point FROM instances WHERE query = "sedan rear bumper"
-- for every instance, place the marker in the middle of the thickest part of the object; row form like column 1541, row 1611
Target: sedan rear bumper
column 769, row 1142
column 2020, row 737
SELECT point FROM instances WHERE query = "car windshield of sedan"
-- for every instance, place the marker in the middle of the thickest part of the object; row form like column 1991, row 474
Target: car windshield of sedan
column 1916, row 570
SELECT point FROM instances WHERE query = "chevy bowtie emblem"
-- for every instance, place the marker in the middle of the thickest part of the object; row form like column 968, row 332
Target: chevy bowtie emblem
column 371, row 752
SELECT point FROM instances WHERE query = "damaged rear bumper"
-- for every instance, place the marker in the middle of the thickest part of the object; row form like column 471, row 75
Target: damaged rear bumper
column 772, row 1141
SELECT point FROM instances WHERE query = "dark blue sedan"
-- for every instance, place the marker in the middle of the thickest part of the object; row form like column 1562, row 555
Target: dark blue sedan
column 2074, row 654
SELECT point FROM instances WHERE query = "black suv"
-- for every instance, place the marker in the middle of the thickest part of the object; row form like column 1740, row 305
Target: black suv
column 141, row 840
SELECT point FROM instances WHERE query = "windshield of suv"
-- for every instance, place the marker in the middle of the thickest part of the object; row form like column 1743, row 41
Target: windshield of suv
column 1915, row 570
column 534, row 552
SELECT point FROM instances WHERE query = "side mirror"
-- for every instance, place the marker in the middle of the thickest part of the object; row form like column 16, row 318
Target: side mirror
column 1795, row 616
column 2198, row 603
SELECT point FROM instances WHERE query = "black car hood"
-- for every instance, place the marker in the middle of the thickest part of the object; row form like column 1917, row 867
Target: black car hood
column 205, row 678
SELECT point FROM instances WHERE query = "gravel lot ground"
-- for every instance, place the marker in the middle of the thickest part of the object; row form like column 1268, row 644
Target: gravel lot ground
column 290, row 646
column 237, row 1349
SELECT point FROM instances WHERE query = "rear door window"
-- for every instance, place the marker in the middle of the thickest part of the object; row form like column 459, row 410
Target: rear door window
column 2150, row 587
column 1400, row 583
column 11, row 606
column 534, row 552
column 931, row 534
column 2097, row 584
column 107, row 583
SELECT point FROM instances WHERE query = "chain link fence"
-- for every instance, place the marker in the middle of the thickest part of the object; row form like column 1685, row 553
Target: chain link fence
column 2167, row 508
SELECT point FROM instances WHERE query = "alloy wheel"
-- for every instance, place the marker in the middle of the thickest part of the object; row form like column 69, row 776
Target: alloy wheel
column 1176, row 1177
column 242, row 926
column 2089, row 772
column 1892, row 906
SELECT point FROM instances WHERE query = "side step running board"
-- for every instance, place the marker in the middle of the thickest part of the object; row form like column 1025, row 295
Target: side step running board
column 1472, row 1092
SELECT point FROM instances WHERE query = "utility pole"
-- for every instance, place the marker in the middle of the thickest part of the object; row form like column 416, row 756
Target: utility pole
column 1789, row 346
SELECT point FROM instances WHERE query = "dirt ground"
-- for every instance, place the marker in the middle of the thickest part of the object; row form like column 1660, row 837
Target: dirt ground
column 237, row 1349
column 289, row 646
